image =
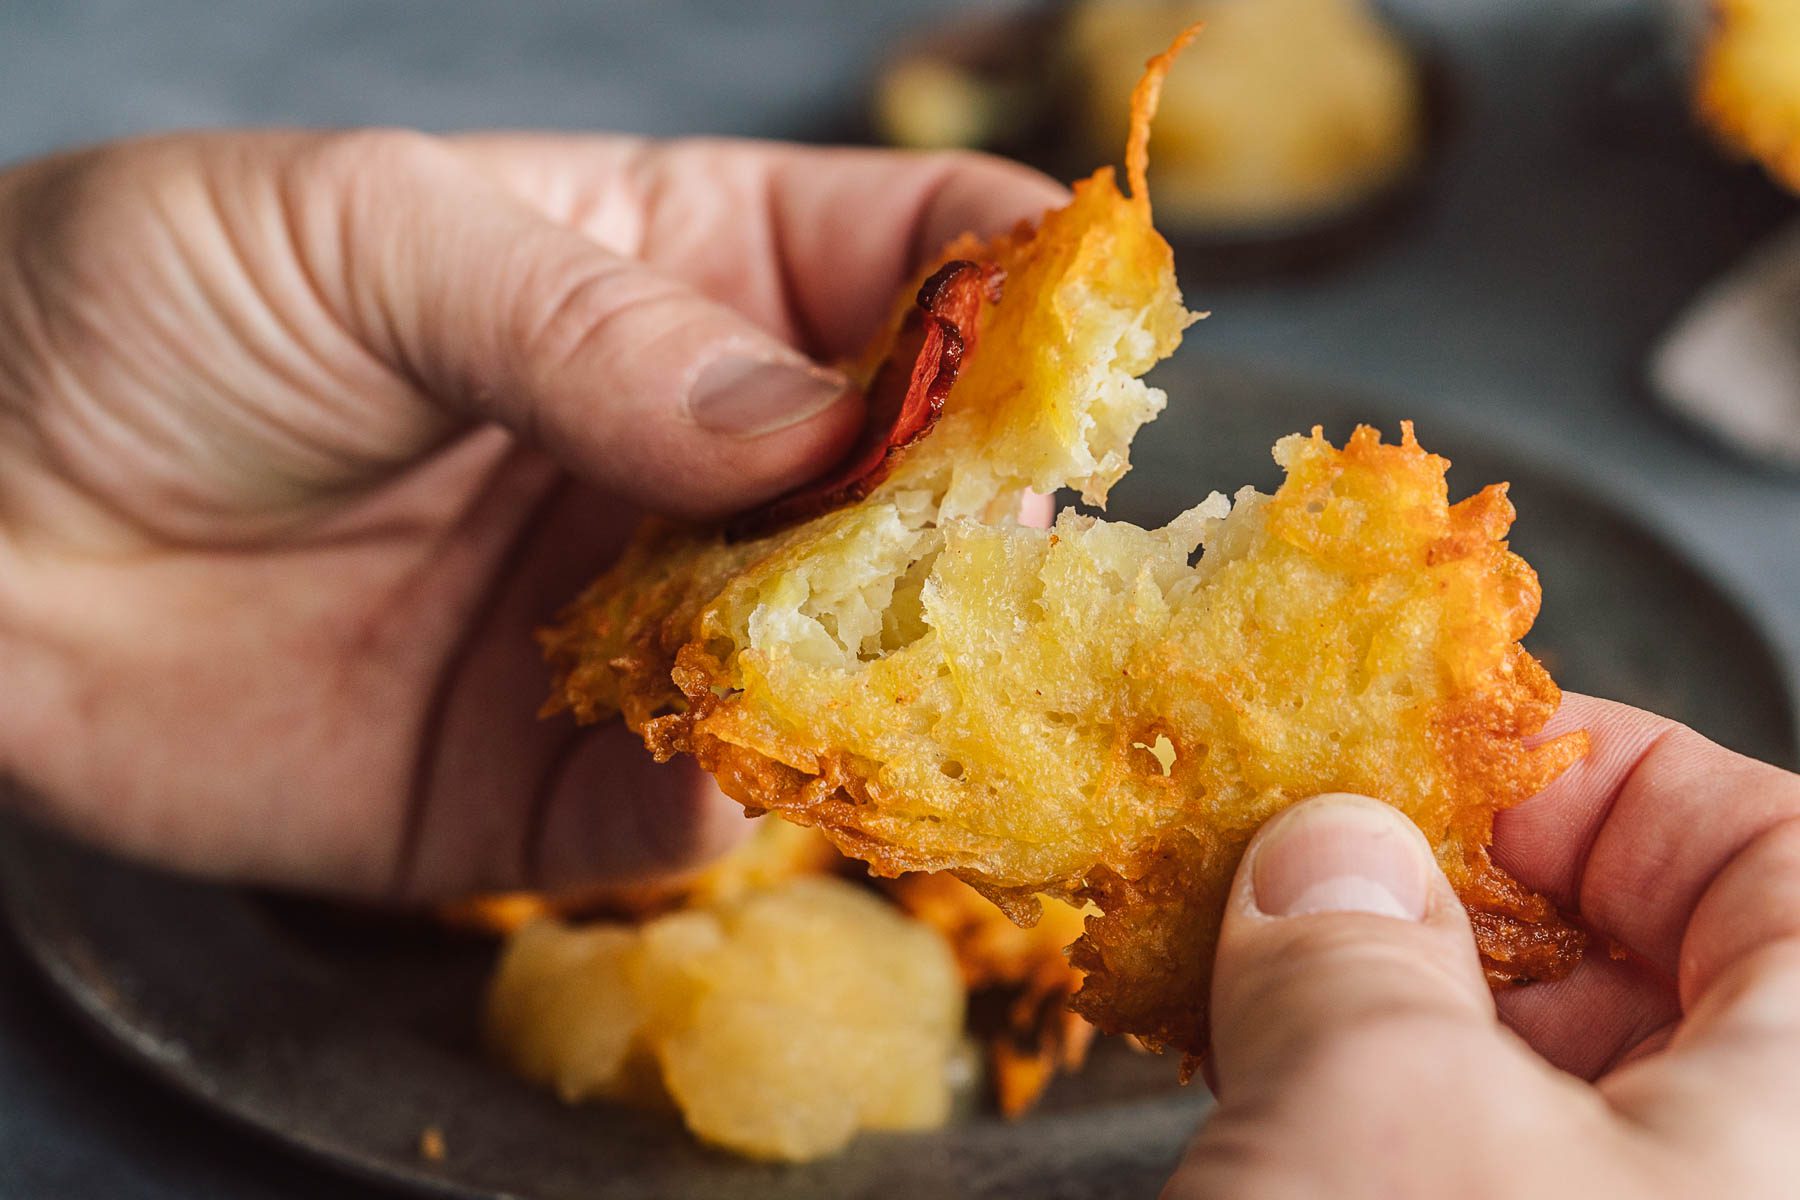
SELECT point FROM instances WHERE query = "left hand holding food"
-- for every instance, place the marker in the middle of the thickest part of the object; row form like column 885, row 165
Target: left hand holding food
column 302, row 434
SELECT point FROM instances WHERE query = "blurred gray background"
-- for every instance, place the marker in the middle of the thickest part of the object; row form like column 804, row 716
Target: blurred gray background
column 76, row 72
column 1573, row 214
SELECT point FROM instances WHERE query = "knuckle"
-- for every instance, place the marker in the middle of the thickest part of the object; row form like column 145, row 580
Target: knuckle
column 1759, row 990
column 353, row 154
column 1409, row 964
column 77, row 223
column 60, row 200
column 345, row 178
column 576, row 304
column 974, row 172
column 1423, row 1048
column 977, row 163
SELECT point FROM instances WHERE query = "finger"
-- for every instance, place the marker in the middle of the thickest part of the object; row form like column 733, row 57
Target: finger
column 1352, row 1024
column 1730, row 1077
column 1631, row 837
column 1599, row 1016
column 1752, row 907
column 503, row 799
column 1544, row 841
column 1340, row 933
column 811, row 243
column 635, row 381
column 614, row 813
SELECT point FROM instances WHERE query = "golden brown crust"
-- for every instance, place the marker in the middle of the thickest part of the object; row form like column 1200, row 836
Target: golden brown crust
column 1147, row 954
column 1082, row 713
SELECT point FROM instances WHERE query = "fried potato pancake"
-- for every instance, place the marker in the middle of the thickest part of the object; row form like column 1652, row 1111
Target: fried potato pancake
column 1086, row 711
column 1748, row 85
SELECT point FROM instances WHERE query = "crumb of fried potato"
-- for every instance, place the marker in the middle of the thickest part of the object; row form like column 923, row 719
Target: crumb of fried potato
column 431, row 1144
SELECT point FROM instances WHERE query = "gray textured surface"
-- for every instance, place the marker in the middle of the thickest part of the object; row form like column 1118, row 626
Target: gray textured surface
column 1573, row 214
column 348, row 1036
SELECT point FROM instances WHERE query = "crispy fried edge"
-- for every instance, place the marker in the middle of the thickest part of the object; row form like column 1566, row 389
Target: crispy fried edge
column 1164, row 904
column 664, row 686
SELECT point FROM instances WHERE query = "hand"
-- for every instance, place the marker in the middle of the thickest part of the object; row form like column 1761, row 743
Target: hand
column 301, row 435
column 1355, row 1042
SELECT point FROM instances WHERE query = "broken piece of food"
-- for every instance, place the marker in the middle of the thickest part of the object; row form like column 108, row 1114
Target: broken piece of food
column 1086, row 711
column 778, row 1022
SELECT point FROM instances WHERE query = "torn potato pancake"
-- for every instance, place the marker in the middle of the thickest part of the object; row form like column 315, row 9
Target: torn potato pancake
column 1087, row 711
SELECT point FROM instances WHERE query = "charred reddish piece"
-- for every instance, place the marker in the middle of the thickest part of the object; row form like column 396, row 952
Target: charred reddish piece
column 905, row 397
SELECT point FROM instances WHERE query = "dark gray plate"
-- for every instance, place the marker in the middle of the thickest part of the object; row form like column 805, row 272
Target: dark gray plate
column 346, row 1036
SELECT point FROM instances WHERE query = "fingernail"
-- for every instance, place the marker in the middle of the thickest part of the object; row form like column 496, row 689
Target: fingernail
column 748, row 397
column 1342, row 853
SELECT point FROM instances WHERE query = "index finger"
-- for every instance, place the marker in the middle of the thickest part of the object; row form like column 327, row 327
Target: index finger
column 1631, row 837
column 811, row 242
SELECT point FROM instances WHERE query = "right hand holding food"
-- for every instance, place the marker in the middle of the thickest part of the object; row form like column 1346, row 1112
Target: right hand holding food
column 1356, row 1050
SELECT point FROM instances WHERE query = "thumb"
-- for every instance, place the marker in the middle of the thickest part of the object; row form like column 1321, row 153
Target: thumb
column 1339, row 922
column 634, row 381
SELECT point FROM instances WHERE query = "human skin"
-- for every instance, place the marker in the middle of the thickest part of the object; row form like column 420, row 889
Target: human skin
column 302, row 435
column 1359, row 1052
